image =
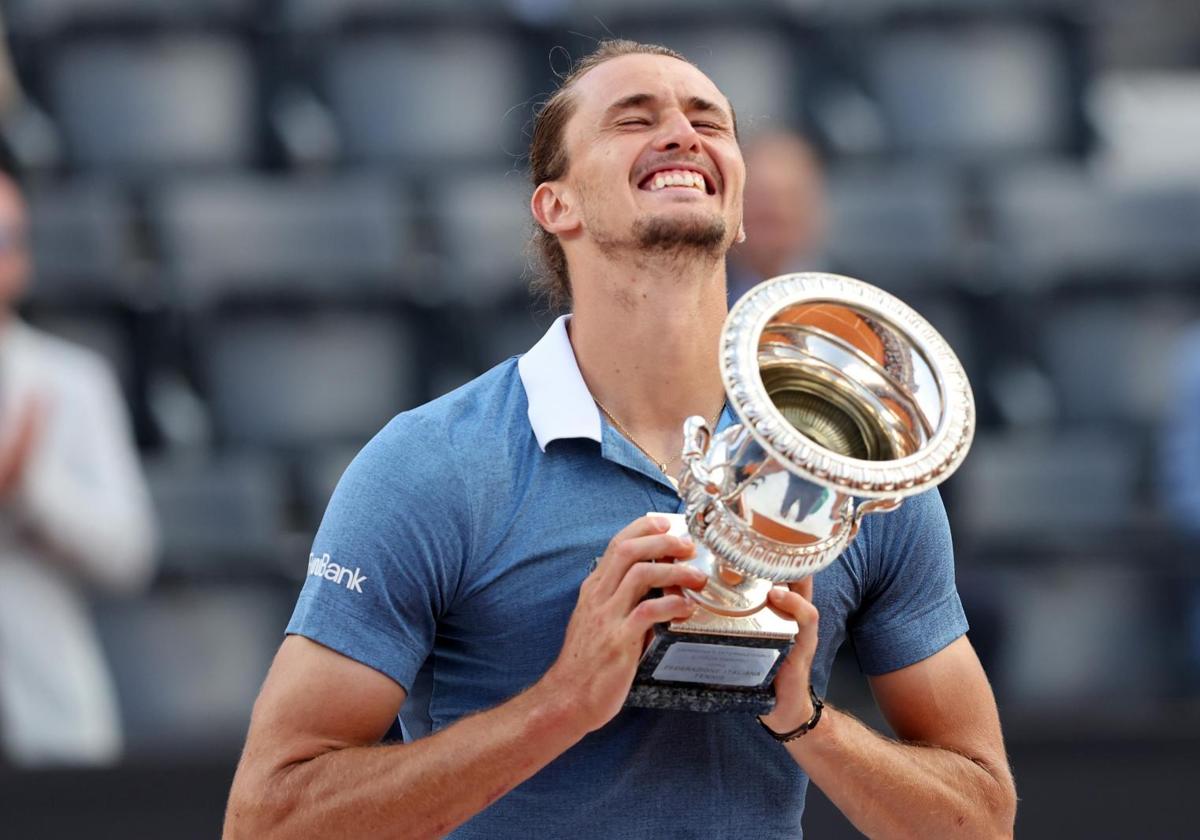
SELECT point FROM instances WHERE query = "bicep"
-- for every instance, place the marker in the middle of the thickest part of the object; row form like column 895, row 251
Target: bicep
column 315, row 700
column 944, row 700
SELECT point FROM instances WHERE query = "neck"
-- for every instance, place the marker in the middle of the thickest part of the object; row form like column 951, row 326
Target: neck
column 646, row 339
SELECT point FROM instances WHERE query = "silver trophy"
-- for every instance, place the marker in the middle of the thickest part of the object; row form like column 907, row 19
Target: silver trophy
column 849, row 401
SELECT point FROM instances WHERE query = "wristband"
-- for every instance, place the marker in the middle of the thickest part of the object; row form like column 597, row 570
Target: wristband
column 802, row 729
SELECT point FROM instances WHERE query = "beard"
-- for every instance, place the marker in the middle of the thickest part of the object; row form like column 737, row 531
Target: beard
column 684, row 239
column 703, row 236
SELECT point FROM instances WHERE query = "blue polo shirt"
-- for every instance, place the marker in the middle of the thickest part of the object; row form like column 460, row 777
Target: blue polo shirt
column 450, row 559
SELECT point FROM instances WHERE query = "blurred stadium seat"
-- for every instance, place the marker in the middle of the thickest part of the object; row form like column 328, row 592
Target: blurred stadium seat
column 305, row 379
column 338, row 238
column 1110, row 358
column 135, row 105
column 972, row 92
column 319, row 473
column 1061, row 224
column 902, row 228
column 511, row 332
column 42, row 17
column 1083, row 631
column 1024, row 495
column 220, row 517
column 188, row 664
column 316, row 15
column 82, row 237
column 1148, row 121
column 483, row 226
column 437, row 99
column 623, row 10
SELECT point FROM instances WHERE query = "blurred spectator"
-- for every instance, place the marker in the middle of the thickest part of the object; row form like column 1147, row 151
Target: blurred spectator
column 1181, row 444
column 785, row 215
column 74, row 515
column 1179, row 484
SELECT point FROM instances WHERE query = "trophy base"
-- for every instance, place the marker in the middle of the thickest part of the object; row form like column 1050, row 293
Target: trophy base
column 713, row 663
column 685, row 698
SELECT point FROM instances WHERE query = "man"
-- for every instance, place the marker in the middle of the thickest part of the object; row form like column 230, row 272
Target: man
column 463, row 537
column 74, row 515
column 785, row 210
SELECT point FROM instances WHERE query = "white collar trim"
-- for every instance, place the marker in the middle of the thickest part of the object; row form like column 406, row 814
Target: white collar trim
column 560, row 405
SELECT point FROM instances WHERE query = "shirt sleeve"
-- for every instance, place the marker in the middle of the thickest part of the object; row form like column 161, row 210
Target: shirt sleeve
column 910, row 608
column 386, row 561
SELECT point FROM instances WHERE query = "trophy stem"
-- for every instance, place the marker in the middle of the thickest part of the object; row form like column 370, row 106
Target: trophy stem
column 728, row 591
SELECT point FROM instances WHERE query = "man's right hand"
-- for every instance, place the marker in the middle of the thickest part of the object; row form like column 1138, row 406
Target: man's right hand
column 607, row 631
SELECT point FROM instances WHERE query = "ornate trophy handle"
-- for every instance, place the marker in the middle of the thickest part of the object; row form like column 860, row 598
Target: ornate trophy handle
column 696, row 439
column 872, row 506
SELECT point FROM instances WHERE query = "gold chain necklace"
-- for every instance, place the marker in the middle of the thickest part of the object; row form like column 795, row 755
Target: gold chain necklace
column 662, row 465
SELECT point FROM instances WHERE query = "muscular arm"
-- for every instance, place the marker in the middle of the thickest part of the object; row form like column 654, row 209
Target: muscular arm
column 311, row 767
column 946, row 777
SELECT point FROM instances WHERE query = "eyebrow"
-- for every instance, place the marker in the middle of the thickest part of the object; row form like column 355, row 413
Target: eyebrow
column 639, row 100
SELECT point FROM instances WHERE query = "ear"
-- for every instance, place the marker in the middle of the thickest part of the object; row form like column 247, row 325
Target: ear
column 741, row 234
column 553, row 209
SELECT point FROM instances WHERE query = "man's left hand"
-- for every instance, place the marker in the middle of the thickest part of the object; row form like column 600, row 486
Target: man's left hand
column 793, row 706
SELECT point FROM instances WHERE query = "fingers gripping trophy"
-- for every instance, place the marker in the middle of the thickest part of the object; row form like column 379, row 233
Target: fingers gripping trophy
column 848, row 402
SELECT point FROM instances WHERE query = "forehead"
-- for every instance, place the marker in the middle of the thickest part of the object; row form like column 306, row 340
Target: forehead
column 665, row 78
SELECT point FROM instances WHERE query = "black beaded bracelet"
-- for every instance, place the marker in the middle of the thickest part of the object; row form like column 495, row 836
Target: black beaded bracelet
column 802, row 729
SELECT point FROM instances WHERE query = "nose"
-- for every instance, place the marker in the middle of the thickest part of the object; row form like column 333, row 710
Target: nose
column 678, row 133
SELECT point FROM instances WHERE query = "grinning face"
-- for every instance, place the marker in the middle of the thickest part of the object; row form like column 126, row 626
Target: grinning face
column 654, row 162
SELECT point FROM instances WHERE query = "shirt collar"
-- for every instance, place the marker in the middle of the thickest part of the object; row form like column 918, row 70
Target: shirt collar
column 560, row 405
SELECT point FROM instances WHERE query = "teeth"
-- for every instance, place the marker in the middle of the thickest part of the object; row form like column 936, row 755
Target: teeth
column 678, row 178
